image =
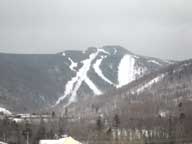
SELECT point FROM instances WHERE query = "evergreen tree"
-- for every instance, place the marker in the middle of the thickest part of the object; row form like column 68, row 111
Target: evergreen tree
column 53, row 115
column 99, row 123
column 116, row 121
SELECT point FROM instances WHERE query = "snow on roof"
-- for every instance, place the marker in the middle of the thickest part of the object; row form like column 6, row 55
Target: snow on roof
column 5, row 111
column 67, row 140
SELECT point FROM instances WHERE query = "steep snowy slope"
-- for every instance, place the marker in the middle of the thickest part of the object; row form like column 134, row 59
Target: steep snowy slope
column 104, row 69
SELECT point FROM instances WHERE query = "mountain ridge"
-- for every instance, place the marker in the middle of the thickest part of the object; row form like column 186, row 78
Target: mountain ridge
column 157, row 94
column 46, row 80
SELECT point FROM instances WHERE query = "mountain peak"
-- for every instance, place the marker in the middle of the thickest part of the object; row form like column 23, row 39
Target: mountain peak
column 116, row 48
column 112, row 49
column 91, row 49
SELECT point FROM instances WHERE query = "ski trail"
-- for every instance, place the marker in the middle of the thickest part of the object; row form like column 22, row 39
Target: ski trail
column 74, row 84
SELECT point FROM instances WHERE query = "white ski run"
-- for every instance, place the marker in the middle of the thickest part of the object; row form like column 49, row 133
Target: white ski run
column 75, row 83
column 126, row 70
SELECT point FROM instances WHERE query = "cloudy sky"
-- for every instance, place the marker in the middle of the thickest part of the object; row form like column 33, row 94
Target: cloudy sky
column 159, row 28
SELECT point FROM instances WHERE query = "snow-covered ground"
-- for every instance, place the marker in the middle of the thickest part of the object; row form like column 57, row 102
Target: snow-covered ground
column 5, row 111
column 73, row 64
column 2, row 142
column 127, row 70
column 18, row 120
column 74, row 84
column 67, row 140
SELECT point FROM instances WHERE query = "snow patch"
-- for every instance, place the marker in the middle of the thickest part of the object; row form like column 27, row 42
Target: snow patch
column 163, row 114
column 127, row 71
column 154, row 61
column 150, row 83
column 97, row 69
column 63, row 54
column 137, row 57
column 102, row 50
column 67, row 140
column 73, row 64
column 5, row 111
column 2, row 142
column 17, row 120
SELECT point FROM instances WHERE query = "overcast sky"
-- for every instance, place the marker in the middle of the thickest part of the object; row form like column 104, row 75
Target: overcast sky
column 159, row 28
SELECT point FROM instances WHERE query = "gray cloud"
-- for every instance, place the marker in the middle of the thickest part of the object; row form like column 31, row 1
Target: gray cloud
column 160, row 28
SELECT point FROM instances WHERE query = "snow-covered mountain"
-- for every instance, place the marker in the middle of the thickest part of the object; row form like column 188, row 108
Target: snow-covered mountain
column 35, row 82
column 157, row 94
column 98, row 70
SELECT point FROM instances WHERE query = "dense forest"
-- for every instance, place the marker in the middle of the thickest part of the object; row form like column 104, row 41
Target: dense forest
column 119, row 129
